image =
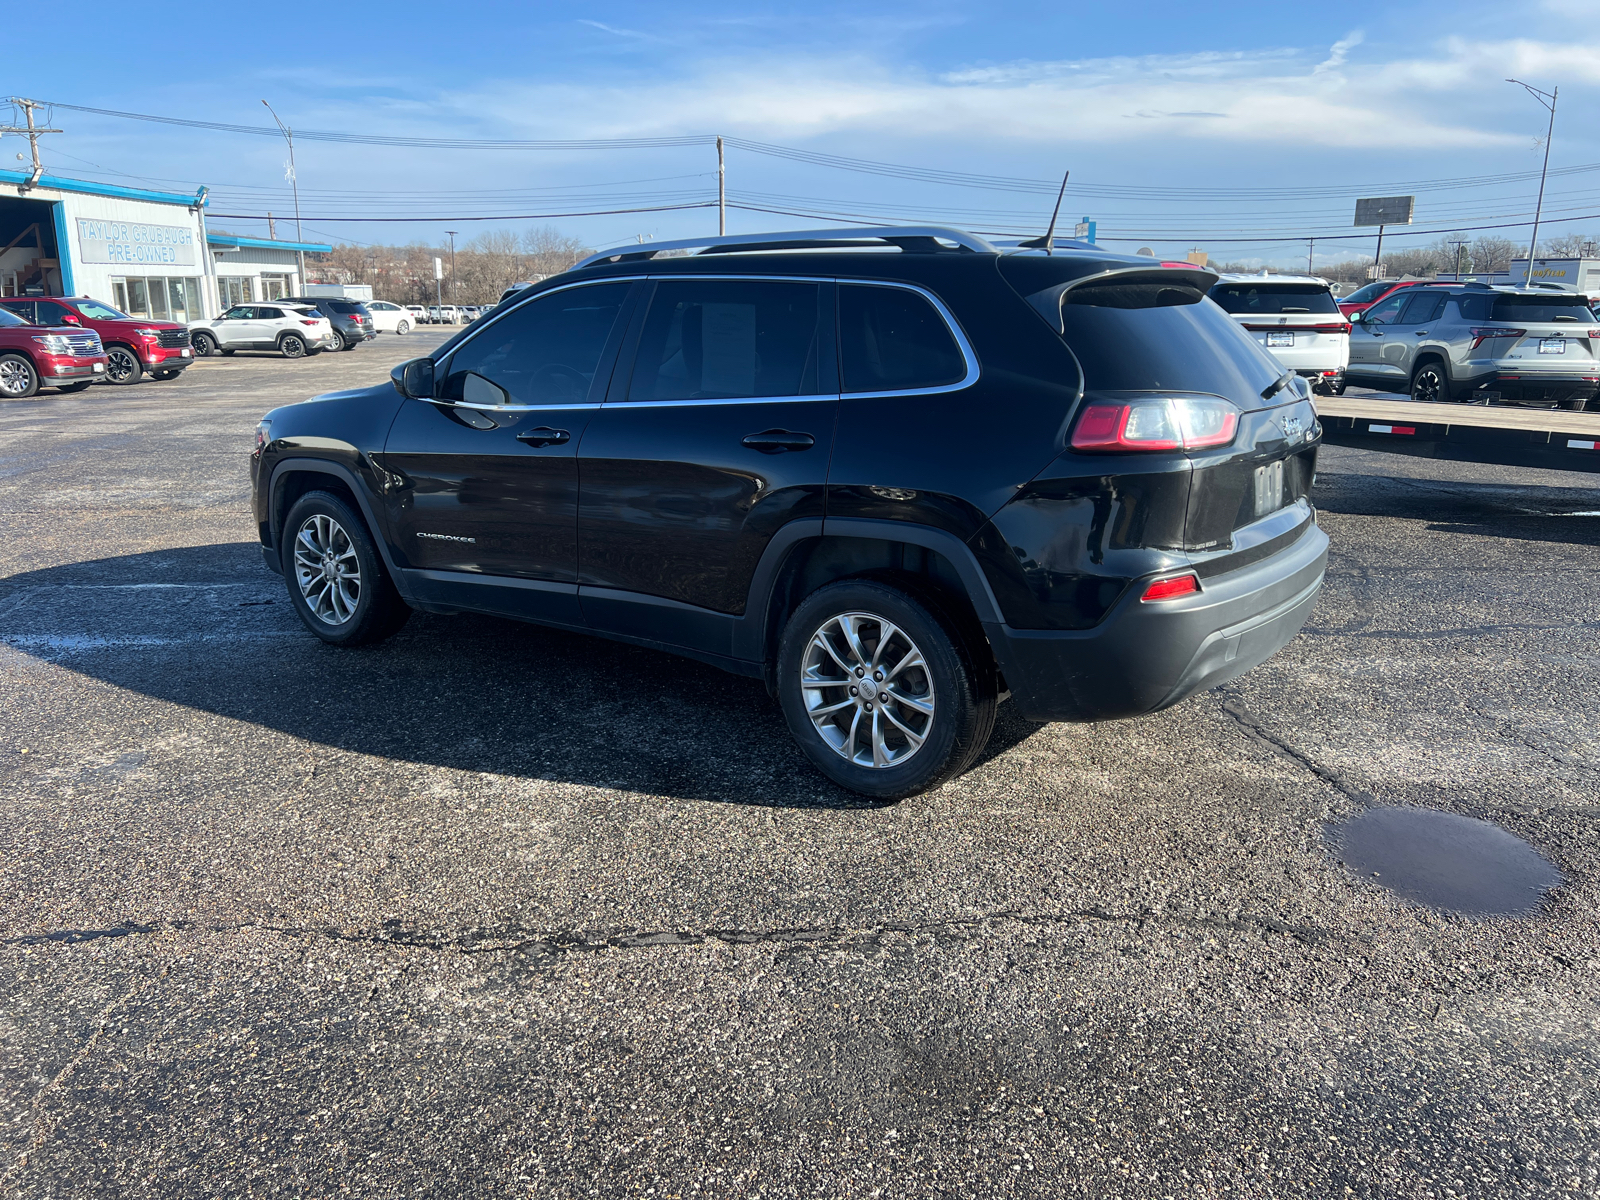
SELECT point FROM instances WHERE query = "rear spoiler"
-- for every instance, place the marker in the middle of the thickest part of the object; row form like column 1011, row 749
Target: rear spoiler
column 1127, row 287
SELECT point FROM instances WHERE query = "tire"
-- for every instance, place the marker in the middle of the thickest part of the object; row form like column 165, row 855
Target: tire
column 1430, row 384
column 123, row 366
column 292, row 345
column 321, row 529
column 204, row 345
column 18, row 379
column 403, row 328
column 959, row 686
column 338, row 341
column 75, row 387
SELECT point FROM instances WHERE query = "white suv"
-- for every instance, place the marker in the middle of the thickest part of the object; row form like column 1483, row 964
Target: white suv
column 1297, row 321
column 294, row 330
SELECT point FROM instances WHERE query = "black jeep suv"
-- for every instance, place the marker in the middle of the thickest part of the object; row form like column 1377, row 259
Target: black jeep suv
column 899, row 486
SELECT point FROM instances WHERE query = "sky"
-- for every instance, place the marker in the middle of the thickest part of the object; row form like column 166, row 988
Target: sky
column 1238, row 129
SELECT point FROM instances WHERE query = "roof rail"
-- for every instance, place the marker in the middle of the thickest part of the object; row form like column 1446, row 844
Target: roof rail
column 922, row 239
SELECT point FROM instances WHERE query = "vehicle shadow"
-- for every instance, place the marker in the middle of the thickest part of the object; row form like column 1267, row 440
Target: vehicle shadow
column 210, row 628
column 1568, row 515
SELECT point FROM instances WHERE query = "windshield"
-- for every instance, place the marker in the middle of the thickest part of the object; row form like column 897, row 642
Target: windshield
column 96, row 311
column 1274, row 298
column 8, row 319
column 1369, row 292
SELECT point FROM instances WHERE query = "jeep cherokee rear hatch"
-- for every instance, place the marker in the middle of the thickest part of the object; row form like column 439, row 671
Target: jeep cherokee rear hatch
column 1226, row 435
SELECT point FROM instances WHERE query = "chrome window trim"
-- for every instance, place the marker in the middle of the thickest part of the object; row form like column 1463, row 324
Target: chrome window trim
column 954, row 326
column 829, row 396
column 508, row 408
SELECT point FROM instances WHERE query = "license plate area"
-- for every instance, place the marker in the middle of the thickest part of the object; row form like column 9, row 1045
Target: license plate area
column 1269, row 488
column 1554, row 345
column 1276, row 340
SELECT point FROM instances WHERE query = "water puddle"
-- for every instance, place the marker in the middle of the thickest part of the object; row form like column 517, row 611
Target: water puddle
column 1448, row 862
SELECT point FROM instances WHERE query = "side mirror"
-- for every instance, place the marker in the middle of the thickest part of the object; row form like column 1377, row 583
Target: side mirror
column 414, row 378
column 1357, row 317
column 71, row 319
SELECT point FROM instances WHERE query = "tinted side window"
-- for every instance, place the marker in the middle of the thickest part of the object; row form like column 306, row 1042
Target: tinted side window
column 1386, row 310
column 545, row 352
column 269, row 314
column 1421, row 306
column 716, row 339
column 892, row 340
column 51, row 313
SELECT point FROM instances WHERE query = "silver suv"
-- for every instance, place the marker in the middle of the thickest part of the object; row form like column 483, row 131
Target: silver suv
column 1479, row 343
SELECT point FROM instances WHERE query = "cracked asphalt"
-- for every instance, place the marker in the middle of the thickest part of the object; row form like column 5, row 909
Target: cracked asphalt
column 495, row 911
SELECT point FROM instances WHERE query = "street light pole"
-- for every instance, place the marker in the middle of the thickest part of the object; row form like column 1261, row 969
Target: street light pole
column 1548, row 99
column 452, row 234
column 294, row 182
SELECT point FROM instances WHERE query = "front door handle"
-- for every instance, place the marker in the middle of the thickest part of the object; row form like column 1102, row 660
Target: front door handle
column 544, row 436
column 1377, row 333
column 776, row 441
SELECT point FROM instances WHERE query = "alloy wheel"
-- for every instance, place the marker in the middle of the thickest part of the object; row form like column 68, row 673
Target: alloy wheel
column 121, row 365
column 327, row 569
column 16, row 377
column 1428, row 387
column 867, row 689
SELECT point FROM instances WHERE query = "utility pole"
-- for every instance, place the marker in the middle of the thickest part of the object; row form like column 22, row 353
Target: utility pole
column 452, row 234
column 1459, row 245
column 294, row 182
column 1377, row 259
column 1548, row 99
column 1311, row 250
column 31, row 132
column 722, row 191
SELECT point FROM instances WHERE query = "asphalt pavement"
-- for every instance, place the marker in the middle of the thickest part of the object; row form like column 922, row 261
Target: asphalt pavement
column 491, row 910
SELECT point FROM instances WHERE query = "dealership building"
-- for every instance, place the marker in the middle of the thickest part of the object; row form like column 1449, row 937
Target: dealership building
column 147, row 253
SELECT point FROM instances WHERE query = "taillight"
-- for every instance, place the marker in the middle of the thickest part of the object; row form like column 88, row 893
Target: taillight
column 1161, row 423
column 303, row 321
column 1482, row 333
column 1171, row 589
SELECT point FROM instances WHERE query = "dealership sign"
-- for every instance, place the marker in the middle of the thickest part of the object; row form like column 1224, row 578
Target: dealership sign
column 127, row 243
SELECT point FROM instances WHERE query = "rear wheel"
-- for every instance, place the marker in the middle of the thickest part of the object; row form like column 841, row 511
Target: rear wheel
column 293, row 346
column 336, row 578
column 881, row 690
column 123, row 365
column 403, row 328
column 204, row 345
column 338, row 341
column 1430, row 385
column 18, row 379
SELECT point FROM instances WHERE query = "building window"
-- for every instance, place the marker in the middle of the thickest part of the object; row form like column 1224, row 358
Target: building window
column 274, row 287
column 159, row 299
column 235, row 289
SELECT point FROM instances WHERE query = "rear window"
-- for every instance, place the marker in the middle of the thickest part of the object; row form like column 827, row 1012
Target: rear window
column 341, row 306
column 1535, row 308
column 710, row 339
column 1274, row 298
column 1172, row 341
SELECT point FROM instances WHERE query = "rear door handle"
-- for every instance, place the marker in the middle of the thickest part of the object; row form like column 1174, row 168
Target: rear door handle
column 544, row 436
column 776, row 441
column 1422, row 333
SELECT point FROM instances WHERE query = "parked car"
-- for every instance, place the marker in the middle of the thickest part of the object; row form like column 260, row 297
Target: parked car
column 1294, row 318
column 436, row 314
column 1367, row 295
column 417, row 314
column 389, row 318
column 469, row 313
column 133, row 345
column 896, row 486
column 352, row 323
column 1475, row 342
column 293, row 329
column 66, row 357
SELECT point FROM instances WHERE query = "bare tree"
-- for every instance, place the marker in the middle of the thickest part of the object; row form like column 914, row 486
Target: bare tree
column 1489, row 253
column 1570, row 245
column 546, row 251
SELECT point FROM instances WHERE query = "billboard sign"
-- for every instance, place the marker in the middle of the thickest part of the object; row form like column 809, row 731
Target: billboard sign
column 1385, row 210
column 131, row 244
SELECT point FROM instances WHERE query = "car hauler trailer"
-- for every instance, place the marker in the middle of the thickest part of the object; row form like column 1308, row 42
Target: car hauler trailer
column 1514, row 437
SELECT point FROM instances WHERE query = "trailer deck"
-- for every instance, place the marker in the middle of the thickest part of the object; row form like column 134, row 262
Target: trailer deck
column 1509, row 436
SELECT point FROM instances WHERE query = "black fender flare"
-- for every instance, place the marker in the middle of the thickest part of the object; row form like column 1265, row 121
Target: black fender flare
column 357, row 489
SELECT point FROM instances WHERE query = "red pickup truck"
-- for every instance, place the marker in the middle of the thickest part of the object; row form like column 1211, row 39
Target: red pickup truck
column 133, row 345
column 66, row 357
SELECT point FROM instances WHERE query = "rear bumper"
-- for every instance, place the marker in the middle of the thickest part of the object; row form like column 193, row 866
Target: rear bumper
column 1146, row 657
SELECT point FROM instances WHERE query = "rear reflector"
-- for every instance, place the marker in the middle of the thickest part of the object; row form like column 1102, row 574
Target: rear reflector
column 1391, row 428
column 1171, row 589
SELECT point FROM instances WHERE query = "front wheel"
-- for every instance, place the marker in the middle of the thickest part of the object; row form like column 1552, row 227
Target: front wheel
column 18, row 379
column 1430, row 385
column 122, row 365
column 337, row 582
column 293, row 346
column 881, row 690
column 204, row 345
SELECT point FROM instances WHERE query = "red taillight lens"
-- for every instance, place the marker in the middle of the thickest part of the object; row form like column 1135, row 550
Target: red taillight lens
column 1165, row 423
column 1171, row 589
column 1481, row 333
column 303, row 321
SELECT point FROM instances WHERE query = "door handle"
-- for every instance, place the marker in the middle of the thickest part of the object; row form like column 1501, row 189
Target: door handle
column 1422, row 333
column 544, row 436
column 1377, row 333
column 776, row 441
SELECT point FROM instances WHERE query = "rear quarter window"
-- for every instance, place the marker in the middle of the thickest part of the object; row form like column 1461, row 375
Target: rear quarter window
column 892, row 339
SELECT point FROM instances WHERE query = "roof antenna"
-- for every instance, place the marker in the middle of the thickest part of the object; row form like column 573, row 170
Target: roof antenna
column 1050, row 234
